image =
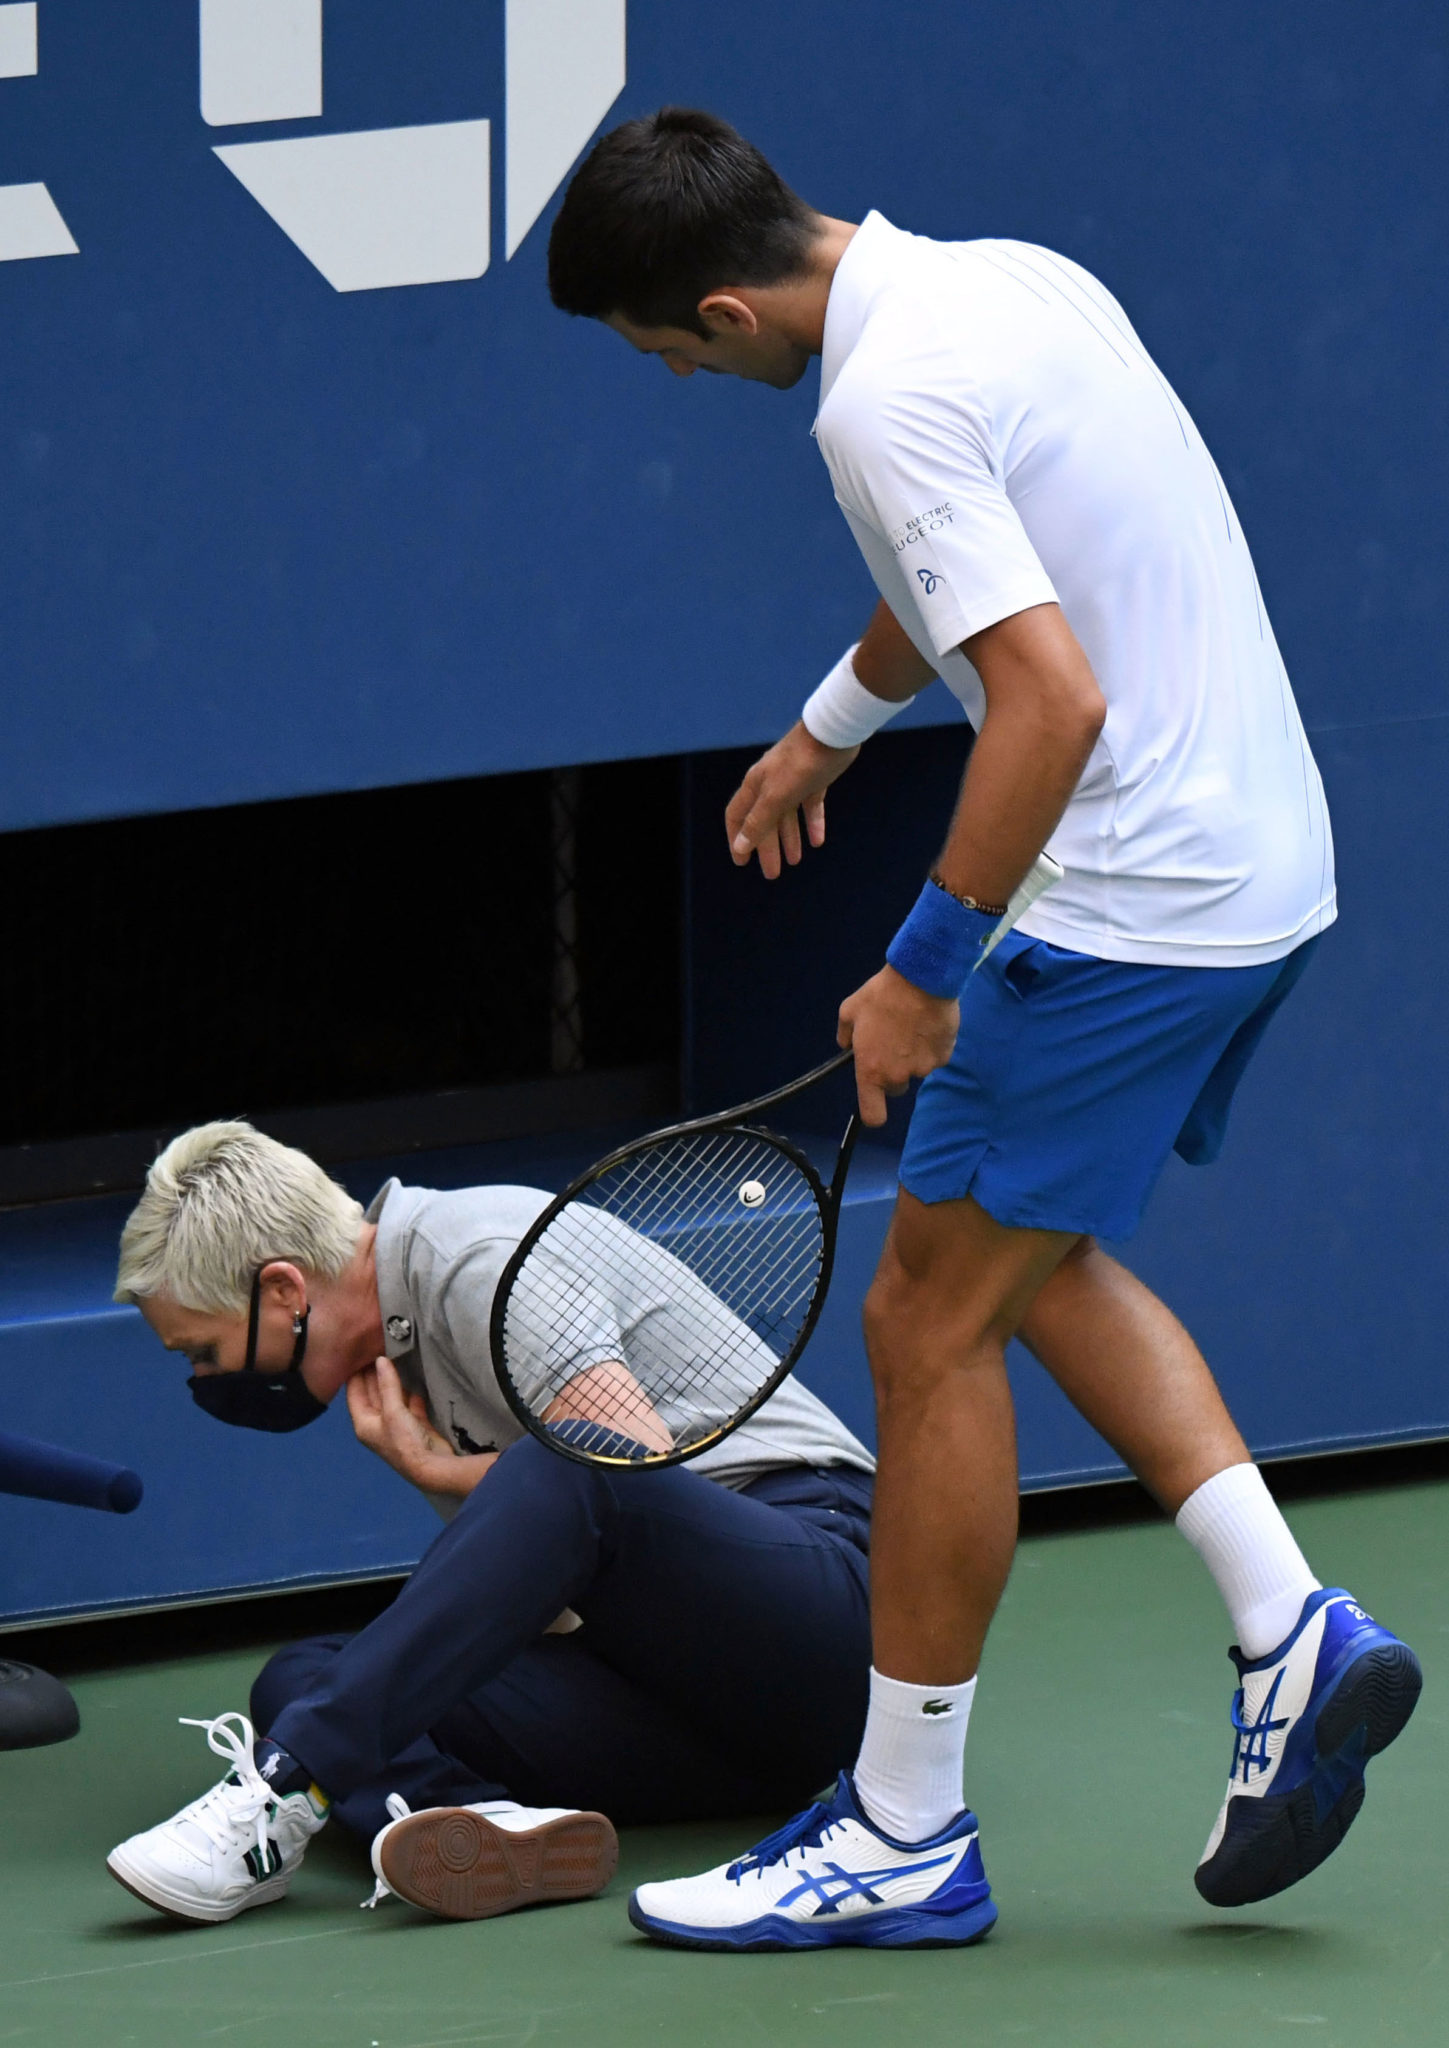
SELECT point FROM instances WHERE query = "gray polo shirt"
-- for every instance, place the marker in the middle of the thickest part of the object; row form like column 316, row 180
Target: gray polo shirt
column 440, row 1256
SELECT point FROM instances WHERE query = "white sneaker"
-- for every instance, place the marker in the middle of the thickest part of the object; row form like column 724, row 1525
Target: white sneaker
column 1307, row 1718
column 827, row 1879
column 470, row 1862
column 236, row 1846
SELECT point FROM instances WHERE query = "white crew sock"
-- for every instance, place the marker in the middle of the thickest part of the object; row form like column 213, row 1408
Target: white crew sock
column 1234, row 1525
column 908, row 1776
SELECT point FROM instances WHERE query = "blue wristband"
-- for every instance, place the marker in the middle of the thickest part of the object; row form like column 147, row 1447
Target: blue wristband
column 940, row 942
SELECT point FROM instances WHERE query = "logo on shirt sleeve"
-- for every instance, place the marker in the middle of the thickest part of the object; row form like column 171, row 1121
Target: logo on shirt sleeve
column 935, row 521
column 929, row 578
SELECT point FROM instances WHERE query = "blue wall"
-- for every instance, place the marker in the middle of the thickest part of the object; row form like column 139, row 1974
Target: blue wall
column 261, row 538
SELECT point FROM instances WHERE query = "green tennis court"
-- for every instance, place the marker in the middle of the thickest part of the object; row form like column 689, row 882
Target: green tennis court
column 1096, row 1763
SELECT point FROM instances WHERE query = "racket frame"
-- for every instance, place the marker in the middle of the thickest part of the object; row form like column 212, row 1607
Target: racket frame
column 735, row 1122
column 1043, row 874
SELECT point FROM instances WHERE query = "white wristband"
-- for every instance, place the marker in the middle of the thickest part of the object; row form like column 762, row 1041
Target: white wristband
column 842, row 712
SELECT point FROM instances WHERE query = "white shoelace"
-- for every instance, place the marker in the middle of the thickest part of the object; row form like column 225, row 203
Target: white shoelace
column 230, row 1810
column 399, row 1809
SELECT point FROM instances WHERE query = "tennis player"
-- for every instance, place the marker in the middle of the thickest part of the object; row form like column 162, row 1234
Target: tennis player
column 1049, row 535
column 650, row 1646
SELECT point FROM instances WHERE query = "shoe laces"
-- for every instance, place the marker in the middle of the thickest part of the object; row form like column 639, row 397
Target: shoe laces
column 242, row 1801
column 398, row 1809
column 1253, row 1740
column 806, row 1831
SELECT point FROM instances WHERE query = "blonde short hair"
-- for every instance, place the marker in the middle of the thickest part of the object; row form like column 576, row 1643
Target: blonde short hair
column 221, row 1201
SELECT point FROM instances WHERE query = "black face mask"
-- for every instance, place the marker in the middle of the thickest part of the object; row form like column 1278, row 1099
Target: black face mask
column 274, row 1401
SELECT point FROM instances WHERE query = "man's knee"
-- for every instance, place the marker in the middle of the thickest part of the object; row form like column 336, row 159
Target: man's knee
column 917, row 1326
column 891, row 1304
column 951, row 1289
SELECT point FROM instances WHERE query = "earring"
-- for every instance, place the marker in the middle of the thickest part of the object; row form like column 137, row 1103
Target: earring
column 296, row 1326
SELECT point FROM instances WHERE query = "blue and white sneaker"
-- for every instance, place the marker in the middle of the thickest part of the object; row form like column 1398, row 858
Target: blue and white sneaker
column 1306, row 1719
column 828, row 1879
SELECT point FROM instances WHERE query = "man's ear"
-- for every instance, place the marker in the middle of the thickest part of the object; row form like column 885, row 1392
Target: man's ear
column 723, row 313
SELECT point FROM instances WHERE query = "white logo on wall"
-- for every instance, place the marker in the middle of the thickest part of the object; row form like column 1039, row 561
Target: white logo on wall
column 30, row 222
column 394, row 206
column 381, row 206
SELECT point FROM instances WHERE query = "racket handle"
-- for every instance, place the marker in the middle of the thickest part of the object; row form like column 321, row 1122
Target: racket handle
column 44, row 1472
column 1042, row 875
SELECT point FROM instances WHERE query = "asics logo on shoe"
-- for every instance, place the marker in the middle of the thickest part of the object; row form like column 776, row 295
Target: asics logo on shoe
column 829, row 1879
column 937, row 1707
column 1250, row 1751
column 856, row 1884
column 1307, row 1719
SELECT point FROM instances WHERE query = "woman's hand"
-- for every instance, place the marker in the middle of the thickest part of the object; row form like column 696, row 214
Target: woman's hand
column 399, row 1429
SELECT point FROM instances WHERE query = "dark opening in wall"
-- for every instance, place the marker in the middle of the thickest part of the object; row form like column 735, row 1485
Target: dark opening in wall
column 502, row 943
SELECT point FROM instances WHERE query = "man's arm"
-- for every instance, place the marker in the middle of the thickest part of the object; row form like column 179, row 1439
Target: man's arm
column 763, row 814
column 886, row 660
column 1044, row 712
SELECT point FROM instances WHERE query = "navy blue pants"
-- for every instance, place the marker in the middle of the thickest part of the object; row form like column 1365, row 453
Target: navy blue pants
column 722, row 1667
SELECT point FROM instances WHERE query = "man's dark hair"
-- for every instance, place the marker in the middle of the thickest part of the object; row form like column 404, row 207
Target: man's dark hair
column 663, row 211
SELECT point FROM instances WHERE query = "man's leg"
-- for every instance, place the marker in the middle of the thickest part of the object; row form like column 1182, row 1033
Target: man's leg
column 1126, row 1363
column 1322, row 1687
column 952, row 1288
column 890, row 1859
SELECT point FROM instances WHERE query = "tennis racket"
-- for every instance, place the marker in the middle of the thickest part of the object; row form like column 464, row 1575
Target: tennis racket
column 668, row 1291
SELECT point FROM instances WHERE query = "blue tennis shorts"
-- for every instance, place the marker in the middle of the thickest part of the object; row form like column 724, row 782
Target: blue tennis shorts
column 1073, row 1078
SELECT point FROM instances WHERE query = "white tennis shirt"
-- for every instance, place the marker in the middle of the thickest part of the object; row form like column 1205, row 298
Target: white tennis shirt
column 999, row 438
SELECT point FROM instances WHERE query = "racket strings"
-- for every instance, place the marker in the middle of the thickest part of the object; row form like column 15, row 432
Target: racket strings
column 662, row 1299
column 779, row 1265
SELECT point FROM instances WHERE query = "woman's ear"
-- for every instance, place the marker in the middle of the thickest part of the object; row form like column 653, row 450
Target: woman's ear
column 286, row 1285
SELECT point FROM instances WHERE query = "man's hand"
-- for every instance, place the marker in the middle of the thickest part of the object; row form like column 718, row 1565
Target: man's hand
column 898, row 1034
column 763, row 814
column 398, row 1427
